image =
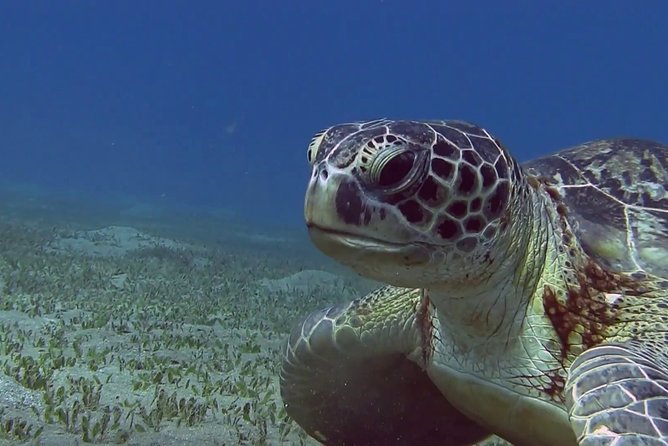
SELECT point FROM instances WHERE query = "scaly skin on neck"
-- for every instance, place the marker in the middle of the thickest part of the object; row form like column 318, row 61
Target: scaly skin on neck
column 496, row 306
column 491, row 338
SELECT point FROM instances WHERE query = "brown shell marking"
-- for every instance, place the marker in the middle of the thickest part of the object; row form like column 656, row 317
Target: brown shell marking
column 582, row 316
column 617, row 194
column 584, row 312
column 557, row 385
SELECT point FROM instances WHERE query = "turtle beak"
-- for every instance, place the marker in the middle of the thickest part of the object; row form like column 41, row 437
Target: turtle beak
column 341, row 225
column 319, row 203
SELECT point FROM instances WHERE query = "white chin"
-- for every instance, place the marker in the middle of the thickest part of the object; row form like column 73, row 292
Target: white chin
column 393, row 263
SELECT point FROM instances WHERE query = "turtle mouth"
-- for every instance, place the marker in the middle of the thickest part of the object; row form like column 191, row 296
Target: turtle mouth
column 351, row 240
column 374, row 258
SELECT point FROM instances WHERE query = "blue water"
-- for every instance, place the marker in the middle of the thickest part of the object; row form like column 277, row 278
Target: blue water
column 213, row 102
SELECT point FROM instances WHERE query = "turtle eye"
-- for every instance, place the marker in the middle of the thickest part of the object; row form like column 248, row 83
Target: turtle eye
column 314, row 146
column 393, row 171
column 388, row 163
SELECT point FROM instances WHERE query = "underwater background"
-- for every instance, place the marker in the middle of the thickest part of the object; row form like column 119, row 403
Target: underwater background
column 153, row 164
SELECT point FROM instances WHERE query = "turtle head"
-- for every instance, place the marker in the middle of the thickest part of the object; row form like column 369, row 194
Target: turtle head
column 412, row 204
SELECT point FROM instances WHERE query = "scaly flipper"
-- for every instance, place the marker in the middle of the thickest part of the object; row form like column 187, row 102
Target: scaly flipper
column 347, row 379
column 618, row 395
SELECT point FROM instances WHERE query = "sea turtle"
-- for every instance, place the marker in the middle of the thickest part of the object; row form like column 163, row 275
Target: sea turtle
column 528, row 301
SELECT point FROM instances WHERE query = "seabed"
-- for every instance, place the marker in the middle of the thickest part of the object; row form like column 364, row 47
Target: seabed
column 143, row 325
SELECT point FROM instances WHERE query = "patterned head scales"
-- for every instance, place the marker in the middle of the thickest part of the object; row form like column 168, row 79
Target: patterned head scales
column 418, row 192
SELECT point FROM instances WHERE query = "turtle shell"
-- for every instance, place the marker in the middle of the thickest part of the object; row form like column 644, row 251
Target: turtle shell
column 616, row 191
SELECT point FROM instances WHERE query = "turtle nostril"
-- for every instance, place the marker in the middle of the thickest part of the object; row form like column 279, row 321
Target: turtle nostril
column 323, row 174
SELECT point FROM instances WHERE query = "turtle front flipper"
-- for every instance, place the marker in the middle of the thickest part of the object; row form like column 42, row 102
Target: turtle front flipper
column 617, row 394
column 347, row 378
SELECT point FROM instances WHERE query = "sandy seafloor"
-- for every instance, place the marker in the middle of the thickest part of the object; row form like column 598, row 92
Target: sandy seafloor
column 137, row 324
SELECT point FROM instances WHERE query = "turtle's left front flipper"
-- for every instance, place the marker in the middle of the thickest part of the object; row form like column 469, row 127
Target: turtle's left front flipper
column 617, row 395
